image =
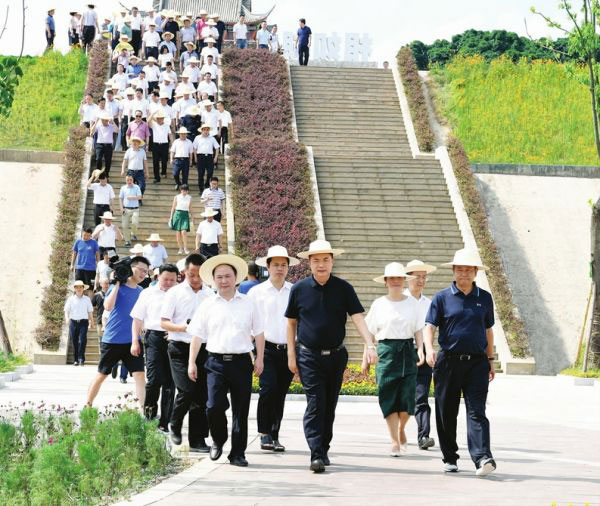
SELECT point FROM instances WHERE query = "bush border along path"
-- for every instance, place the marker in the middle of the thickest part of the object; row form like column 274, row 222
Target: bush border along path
column 49, row 331
column 514, row 329
column 273, row 201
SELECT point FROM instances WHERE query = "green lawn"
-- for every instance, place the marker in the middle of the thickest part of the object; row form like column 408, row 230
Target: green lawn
column 531, row 113
column 46, row 102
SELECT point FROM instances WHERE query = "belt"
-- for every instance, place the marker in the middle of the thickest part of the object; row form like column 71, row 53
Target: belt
column 132, row 208
column 160, row 333
column 228, row 357
column 78, row 321
column 463, row 356
column 275, row 346
column 204, row 154
column 321, row 352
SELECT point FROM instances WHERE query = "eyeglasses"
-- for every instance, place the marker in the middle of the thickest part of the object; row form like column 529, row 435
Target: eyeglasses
column 138, row 116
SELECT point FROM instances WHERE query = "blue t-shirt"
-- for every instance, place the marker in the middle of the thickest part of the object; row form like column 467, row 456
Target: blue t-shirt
column 86, row 254
column 246, row 285
column 118, row 327
column 50, row 23
column 303, row 34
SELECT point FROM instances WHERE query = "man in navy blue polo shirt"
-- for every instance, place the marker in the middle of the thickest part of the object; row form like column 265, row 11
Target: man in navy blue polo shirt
column 464, row 314
column 303, row 40
column 317, row 310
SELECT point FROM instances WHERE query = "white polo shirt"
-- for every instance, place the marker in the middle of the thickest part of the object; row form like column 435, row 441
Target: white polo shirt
column 136, row 22
column 179, row 306
column 225, row 118
column 210, row 88
column 157, row 255
column 78, row 308
column 89, row 18
column 151, row 39
column 424, row 303
column 240, row 30
column 227, row 326
column 107, row 237
column 102, row 194
column 211, row 118
column 272, row 303
column 209, row 231
column 160, row 133
column 209, row 68
column 152, row 71
column 148, row 307
column 88, row 112
column 120, row 80
column 181, row 148
column 205, row 145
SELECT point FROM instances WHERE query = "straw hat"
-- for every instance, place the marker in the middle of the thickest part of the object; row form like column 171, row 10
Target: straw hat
column 418, row 266
column 105, row 115
column 208, row 212
column 129, row 91
column 164, row 95
column 189, row 43
column 151, row 23
column 206, row 102
column 96, row 173
column 169, row 34
column 467, row 257
column 393, row 270
column 52, row 9
column 215, row 16
column 209, row 39
column 138, row 249
column 189, row 14
column 135, row 138
column 170, row 14
column 123, row 37
column 182, row 130
column 79, row 283
column 206, row 271
column 320, row 246
column 107, row 216
column 276, row 251
column 193, row 59
column 193, row 111
column 184, row 19
column 133, row 57
column 151, row 59
column 203, row 12
column 205, row 125
column 154, row 237
column 127, row 19
column 211, row 22
column 160, row 114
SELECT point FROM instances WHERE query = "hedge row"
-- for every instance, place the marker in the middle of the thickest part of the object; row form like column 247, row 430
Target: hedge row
column 409, row 73
column 272, row 195
column 49, row 331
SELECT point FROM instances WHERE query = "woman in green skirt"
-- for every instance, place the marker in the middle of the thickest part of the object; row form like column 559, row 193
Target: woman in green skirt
column 394, row 321
column 181, row 217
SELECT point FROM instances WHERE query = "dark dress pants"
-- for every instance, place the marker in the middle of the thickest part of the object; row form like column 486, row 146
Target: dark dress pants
column 78, row 330
column 303, row 54
column 191, row 395
column 233, row 376
column 136, row 40
column 451, row 376
column 209, row 250
column 160, row 158
column 274, row 384
column 124, row 126
column 321, row 377
column 104, row 153
column 158, row 376
column 205, row 163
column 181, row 166
column 422, row 408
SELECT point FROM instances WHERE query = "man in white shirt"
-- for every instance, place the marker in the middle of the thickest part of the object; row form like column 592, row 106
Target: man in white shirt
column 178, row 308
column 208, row 234
column 263, row 36
column 166, row 87
column 208, row 86
column 105, row 129
column 226, row 323
column 161, row 135
column 181, row 157
column 88, row 111
column 113, row 108
column 150, row 42
column 103, row 194
column 187, row 33
column 152, row 70
column 106, row 234
column 211, row 50
column 192, row 72
column 225, row 125
column 271, row 298
column 136, row 30
column 140, row 103
column 129, row 197
column 78, row 315
column 206, row 153
column 209, row 66
column 89, row 26
column 240, row 33
column 136, row 162
column 155, row 252
column 210, row 117
column 146, row 315
column 127, row 115
column 214, row 198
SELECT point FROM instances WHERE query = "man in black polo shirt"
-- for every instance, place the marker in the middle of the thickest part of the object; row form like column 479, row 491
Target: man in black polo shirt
column 316, row 312
column 464, row 314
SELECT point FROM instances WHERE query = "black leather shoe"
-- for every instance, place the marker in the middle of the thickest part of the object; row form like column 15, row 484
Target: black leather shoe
column 175, row 436
column 114, row 371
column 326, row 461
column 277, row 446
column 123, row 380
column 266, row 442
column 317, row 466
column 239, row 462
column 426, row 442
column 164, row 429
column 215, row 452
column 200, row 447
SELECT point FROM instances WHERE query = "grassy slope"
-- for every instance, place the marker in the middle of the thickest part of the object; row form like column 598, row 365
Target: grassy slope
column 46, row 103
column 518, row 113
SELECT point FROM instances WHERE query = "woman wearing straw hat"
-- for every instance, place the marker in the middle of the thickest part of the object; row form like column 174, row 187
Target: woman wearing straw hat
column 464, row 314
column 78, row 315
column 317, row 312
column 181, row 217
column 394, row 321
column 226, row 323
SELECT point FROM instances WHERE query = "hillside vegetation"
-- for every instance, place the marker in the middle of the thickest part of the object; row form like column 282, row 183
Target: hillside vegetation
column 46, row 102
column 505, row 112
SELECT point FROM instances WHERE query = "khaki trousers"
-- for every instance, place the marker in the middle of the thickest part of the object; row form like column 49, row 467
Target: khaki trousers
column 130, row 216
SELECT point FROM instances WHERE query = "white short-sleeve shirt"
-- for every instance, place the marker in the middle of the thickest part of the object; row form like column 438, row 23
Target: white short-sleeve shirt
column 181, row 149
column 179, row 306
column 424, row 303
column 157, row 256
column 102, row 194
column 209, row 231
column 78, row 308
column 151, row 39
column 272, row 304
column 148, row 307
column 107, row 236
column 393, row 319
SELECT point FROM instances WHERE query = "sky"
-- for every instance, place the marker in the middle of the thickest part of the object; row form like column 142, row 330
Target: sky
column 389, row 23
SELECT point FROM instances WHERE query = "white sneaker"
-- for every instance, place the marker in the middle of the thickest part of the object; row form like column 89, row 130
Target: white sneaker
column 404, row 447
column 486, row 466
column 186, row 251
column 180, row 251
column 395, row 451
column 450, row 468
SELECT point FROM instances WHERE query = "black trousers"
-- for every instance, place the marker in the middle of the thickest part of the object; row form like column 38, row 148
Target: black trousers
column 151, row 51
column 205, row 163
column 124, row 126
column 191, row 396
column 136, row 40
column 233, row 376
column 158, row 376
column 99, row 210
column 223, row 138
column 303, row 54
column 104, row 152
column 274, row 384
column 160, row 158
column 321, row 377
column 152, row 85
column 78, row 330
column 422, row 408
column 451, row 377
column 50, row 39
column 218, row 216
column 89, row 33
column 115, row 40
column 209, row 250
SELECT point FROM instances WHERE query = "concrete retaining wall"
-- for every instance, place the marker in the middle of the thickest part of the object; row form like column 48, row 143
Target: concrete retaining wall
column 537, row 170
column 19, row 155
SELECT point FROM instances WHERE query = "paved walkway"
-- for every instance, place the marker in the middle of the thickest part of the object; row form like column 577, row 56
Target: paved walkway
column 544, row 455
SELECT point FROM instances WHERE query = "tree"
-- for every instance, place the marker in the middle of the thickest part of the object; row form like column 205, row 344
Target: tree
column 420, row 54
column 10, row 70
column 583, row 47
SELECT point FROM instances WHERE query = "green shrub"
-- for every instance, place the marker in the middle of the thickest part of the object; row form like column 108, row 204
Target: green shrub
column 579, row 373
column 46, row 102
column 10, row 362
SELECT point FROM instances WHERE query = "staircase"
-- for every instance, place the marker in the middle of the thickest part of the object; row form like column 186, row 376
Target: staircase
column 154, row 215
column 378, row 203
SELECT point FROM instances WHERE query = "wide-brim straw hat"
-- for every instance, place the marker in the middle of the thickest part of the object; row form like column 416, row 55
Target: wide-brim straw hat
column 105, row 115
column 208, row 212
column 216, row 15
column 160, row 114
column 79, row 283
column 138, row 249
column 393, row 270
column 193, row 111
column 193, row 59
column 320, row 246
column 154, row 237
column 164, row 95
column 189, row 43
column 240, row 266
column 133, row 57
column 277, row 252
column 419, row 266
column 168, row 33
column 203, row 12
column 206, row 125
column 96, row 173
column 124, row 38
column 210, row 39
column 151, row 23
column 182, row 130
column 107, row 216
column 206, row 102
column 129, row 91
column 466, row 257
column 151, row 59
column 137, row 139
column 127, row 19
column 211, row 22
